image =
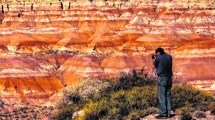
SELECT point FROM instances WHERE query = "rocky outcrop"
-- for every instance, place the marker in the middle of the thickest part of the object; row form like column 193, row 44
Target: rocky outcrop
column 47, row 47
column 1, row 17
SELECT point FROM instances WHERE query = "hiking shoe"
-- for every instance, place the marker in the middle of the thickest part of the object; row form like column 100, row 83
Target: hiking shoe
column 160, row 117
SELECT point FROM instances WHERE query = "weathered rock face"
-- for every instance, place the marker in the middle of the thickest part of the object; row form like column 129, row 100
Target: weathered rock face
column 48, row 48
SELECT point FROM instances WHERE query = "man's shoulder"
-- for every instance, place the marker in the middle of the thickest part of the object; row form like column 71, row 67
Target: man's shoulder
column 169, row 57
column 166, row 55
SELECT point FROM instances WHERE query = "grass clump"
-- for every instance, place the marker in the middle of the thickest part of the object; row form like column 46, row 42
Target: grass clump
column 185, row 113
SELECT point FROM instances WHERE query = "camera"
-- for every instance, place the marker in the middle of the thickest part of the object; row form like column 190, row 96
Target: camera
column 154, row 56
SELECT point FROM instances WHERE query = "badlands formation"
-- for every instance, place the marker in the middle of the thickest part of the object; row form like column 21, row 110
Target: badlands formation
column 47, row 46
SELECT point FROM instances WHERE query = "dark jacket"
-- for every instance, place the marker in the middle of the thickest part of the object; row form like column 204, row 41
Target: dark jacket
column 163, row 65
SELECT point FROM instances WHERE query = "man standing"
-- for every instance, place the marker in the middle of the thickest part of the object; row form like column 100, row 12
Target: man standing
column 163, row 65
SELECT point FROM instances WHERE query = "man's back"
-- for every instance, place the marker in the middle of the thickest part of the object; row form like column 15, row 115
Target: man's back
column 163, row 64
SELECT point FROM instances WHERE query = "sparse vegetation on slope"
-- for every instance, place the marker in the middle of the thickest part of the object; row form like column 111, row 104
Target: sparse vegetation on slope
column 26, row 111
column 131, row 96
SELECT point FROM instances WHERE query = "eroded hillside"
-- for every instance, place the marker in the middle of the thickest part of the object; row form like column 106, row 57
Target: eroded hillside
column 47, row 48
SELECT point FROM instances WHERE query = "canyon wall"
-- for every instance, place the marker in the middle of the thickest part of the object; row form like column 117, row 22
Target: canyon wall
column 45, row 47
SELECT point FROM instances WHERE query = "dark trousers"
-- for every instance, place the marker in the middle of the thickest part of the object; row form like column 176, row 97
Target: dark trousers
column 164, row 95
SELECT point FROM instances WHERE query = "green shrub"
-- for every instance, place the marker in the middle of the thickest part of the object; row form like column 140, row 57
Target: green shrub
column 95, row 110
column 63, row 114
column 122, row 103
column 183, row 95
column 185, row 113
column 142, row 113
column 134, row 116
column 115, row 117
column 146, row 93
column 113, row 112
column 129, row 81
column 85, row 90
